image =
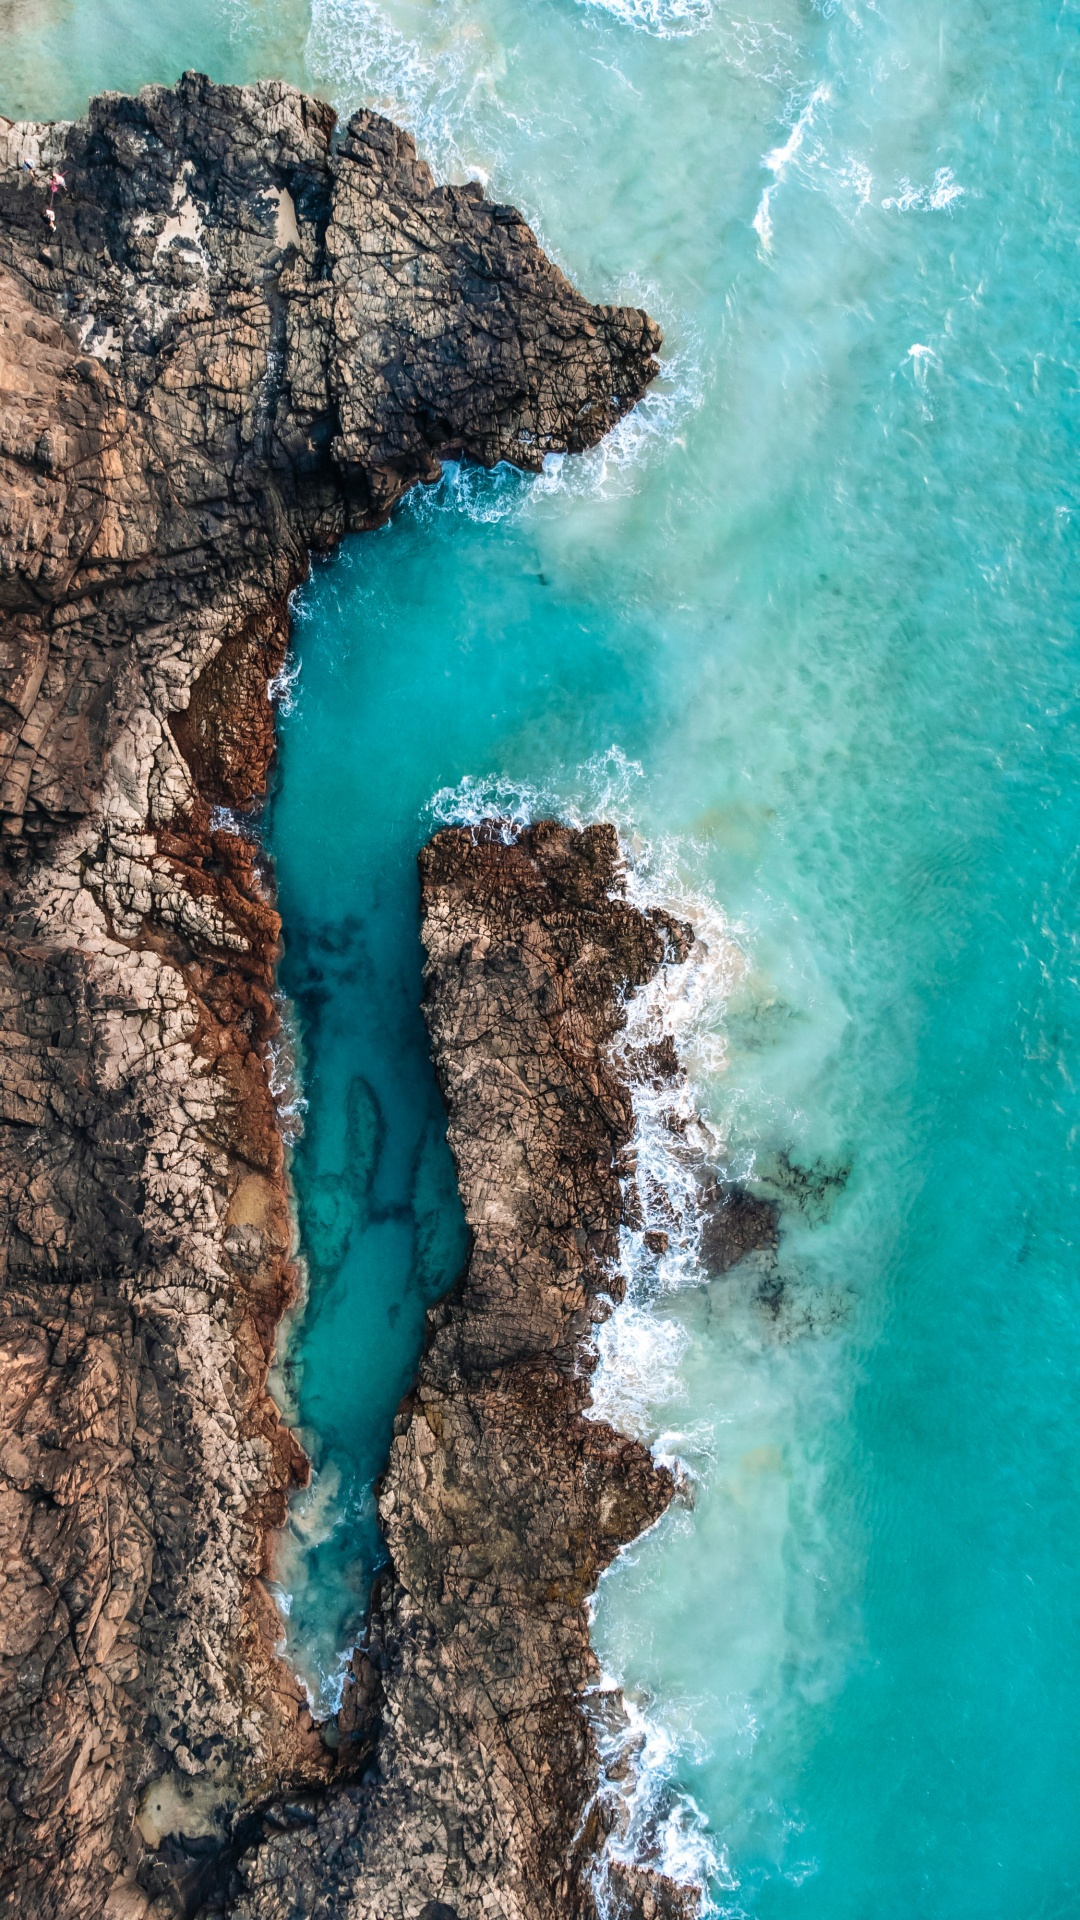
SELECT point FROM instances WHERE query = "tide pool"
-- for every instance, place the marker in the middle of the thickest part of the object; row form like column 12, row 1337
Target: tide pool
column 807, row 628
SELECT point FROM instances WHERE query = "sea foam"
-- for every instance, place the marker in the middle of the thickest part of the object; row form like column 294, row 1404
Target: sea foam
column 780, row 160
column 614, row 469
column 665, row 19
column 942, row 193
column 639, row 1350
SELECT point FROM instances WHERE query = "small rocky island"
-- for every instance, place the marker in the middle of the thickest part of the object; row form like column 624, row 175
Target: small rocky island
column 244, row 333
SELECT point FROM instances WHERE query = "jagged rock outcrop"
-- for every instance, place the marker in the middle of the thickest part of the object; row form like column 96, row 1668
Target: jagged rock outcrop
column 244, row 338
column 502, row 1502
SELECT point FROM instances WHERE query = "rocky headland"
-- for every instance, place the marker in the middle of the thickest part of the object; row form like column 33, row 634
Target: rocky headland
column 245, row 333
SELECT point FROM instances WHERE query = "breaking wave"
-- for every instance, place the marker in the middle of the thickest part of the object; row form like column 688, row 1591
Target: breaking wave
column 780, row 160
column 600, row 789
column 675, row 1147
column 285, row 1076
column 639, row 1350
column 612, row 470
column 652, row 1823
column 281, row 688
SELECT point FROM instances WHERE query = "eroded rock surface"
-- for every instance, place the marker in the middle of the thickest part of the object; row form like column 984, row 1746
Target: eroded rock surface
column 243, row 339
column 502, row 1503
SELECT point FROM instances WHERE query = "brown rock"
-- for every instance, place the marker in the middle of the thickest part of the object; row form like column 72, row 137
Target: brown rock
column 502, row 1503
column 241, row 343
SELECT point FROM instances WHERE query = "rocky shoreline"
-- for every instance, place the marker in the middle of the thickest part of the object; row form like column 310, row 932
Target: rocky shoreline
column 476, row 1783
column 246, row 333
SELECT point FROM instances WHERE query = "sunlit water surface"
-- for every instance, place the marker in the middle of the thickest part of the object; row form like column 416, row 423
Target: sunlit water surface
column 807, row 629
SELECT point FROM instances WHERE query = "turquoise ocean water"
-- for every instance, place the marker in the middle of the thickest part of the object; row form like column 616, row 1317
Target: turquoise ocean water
column 807, row 629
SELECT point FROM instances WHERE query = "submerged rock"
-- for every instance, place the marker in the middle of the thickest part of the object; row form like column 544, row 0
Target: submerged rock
column 245, row 337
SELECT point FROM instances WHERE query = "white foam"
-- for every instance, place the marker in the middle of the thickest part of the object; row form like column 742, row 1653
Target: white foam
column 290, row 1103
column 354, row 49
column 639, row 1367
column 640, row 1351
column 778, row 162
column 855, row 175
column 314, row 1516
column 227, row 820
column 664, row 19
column 943, row 193
column 614, row 469
column 639, row 1754
column 599, row 789
column 281, row 688
column 920, row 357
column 320, row 1656
column 445, row 89
column 476, row 493
column 761, row 51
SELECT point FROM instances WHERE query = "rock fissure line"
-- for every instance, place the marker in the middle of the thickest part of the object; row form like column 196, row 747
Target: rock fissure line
column 249, row 335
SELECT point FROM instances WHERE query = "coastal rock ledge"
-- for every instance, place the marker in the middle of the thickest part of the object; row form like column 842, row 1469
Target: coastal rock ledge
column 249, row 333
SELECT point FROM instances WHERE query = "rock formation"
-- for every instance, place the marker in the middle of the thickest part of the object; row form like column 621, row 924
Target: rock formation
column 244, row 338
column 502, row 1503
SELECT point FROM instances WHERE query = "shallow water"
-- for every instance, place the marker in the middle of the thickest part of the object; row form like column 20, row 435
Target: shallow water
column 820, row 591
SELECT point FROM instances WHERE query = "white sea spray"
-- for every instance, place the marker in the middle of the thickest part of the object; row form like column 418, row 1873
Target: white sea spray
column 227, row 820
column 639, row 1347
column 640, row 1355
column 614, row 469
column 432, row 87
column 601, row 788
column 639, row 1754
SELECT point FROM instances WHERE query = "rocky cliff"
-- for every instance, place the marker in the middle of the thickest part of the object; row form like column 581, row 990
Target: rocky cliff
column 241, row 336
